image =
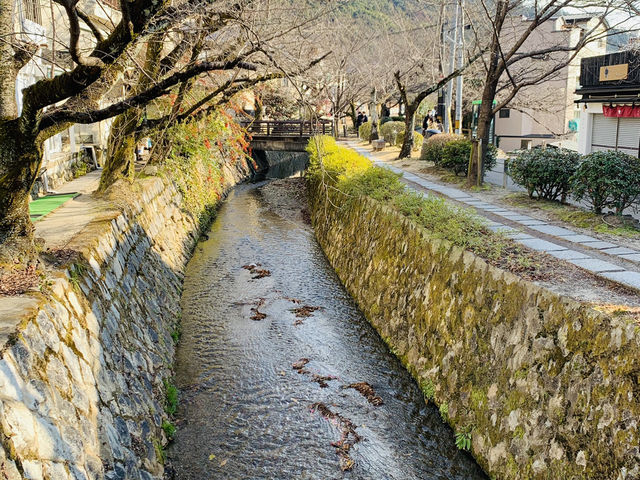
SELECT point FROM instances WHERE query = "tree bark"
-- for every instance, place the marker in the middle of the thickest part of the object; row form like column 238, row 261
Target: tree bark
column 20, row 158
column 483, row 131
column 409, row 127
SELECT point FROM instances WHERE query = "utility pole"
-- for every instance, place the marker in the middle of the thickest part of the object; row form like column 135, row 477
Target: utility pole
column 452, row 66
column 460, row 80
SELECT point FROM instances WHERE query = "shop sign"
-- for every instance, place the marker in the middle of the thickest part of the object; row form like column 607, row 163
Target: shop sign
column 614, row 72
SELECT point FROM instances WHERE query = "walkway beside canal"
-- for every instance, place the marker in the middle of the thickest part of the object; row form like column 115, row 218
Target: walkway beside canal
column 605, row 259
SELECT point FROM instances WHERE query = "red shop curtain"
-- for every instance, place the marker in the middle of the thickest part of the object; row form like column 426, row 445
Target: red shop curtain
column 621, row 111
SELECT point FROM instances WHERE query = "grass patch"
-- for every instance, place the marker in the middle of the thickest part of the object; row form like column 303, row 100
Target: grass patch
column 169, row 429
column 575, row 216
column 441, row 219
column 171, row 397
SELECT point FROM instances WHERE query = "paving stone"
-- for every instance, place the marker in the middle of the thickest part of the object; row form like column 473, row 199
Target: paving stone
column 596, row 265
column 569, row 255
column 578, row 238
column 541, row 245
column 620, row 251
column 628, row 278
column 599, row 245
column 516, row 217
column 502, row 213
column 520, row 236
column 552, row 230
column 530, row 223
column 634, row 258
column 499, row 227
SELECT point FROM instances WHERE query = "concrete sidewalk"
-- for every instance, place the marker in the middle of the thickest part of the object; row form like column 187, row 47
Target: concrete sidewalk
column 59, row 227
column 604, row 259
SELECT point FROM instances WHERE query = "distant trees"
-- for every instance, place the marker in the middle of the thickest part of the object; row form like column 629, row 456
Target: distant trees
column 518, row 57
column 234, row 43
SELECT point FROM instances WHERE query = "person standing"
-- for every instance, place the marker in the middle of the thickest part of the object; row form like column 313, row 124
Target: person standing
column 359, row 121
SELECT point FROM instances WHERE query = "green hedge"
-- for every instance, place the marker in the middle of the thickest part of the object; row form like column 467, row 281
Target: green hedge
column 433, row 146
column 545, row 172
column 392, row 132
column 607, row 179
column 365, row 131
column 453, row 152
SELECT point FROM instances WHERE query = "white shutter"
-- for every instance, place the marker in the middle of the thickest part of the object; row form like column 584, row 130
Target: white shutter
column 603, row 136
column 629, row 135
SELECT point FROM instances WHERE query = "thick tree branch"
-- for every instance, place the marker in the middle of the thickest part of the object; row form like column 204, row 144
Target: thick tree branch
column 157, row 90
column 92, row 26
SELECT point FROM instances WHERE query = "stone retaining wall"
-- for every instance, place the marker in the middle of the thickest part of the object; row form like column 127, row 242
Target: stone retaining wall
column 548, row 387
column 82, row 377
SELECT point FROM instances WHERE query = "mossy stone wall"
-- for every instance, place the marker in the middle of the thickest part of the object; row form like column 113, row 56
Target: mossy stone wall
column 549, row 386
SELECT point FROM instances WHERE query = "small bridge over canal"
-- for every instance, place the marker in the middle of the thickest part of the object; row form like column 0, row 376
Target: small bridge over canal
column 285, row 135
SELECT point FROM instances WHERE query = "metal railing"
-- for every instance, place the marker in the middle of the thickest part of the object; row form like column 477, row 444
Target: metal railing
column 288, row 128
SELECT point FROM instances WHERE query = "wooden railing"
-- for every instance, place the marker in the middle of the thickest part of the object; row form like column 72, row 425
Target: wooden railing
column 289, row 128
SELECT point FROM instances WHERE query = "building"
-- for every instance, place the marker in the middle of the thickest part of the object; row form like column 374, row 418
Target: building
column 546, row 113
column 610, row 103
column 46, row 25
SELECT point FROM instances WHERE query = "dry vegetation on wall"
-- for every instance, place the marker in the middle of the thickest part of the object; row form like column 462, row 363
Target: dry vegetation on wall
column 339, row 169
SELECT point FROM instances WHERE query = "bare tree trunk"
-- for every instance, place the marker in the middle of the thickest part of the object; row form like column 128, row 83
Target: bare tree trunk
column 20, row 156
column 20, row 160
column 483, row 132
column 409, row 126
column 120, row 162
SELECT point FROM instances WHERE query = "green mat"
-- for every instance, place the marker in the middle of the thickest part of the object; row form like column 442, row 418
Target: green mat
column 45, row 205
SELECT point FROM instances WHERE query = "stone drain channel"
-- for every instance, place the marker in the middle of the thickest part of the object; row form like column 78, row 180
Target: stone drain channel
column 605, row 259
column 281, row 377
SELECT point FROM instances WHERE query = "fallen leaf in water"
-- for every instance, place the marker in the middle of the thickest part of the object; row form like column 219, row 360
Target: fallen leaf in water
column 367, row 392
column 212, row 456
column 282, row 373
column 224, row 462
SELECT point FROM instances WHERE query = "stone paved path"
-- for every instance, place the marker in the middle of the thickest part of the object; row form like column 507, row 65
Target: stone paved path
column 59, row 227
column 605, row 259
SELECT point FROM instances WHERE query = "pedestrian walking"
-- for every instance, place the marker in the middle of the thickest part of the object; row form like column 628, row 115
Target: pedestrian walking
column 359, row 121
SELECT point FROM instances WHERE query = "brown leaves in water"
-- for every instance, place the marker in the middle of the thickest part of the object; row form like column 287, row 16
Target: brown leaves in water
column 257, row 272
column 321, row 380
column 348, row 435
column 300, row 364
column 303, row 312
column 367, row 392
column 257, row 314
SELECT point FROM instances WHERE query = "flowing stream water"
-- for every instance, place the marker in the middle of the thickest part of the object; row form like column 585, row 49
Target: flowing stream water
column 246, row 413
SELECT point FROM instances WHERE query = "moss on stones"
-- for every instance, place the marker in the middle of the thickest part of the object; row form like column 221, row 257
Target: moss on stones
column 548, row 384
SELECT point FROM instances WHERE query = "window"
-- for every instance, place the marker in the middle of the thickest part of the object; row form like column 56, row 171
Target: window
column 525, row 144
column 504, row 113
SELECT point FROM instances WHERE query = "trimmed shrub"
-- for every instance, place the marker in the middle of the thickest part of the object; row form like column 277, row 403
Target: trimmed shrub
column 326, row 156
column 392, row 132
column 545, row 172
column 418, row 140
column 607, row 179
column 432, row 147
column 365, row 131
column 491, row 157
column 455, row 155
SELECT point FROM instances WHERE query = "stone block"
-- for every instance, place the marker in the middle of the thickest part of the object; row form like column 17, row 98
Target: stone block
column 32, row 470
column 18, row 424
column 553, row 230
column 541, row 245
column 595, row 265
column 631, row 279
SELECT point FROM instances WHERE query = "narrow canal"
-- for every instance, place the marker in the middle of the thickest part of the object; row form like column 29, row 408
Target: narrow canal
column 275, row 364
